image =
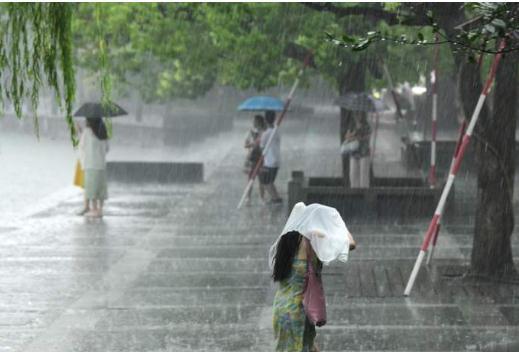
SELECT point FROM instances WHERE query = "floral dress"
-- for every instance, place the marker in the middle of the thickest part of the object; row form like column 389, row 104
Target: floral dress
column 292, row 331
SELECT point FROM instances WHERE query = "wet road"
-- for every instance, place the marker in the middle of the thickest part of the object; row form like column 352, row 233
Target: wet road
column 178, row 268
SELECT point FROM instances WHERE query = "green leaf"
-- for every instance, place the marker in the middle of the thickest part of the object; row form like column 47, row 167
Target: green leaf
column 361, row 45
column 420, row 37
column 489, row 28
column 347, row 39
column 498, row 23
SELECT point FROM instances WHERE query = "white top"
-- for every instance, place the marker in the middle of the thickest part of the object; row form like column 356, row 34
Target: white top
column 92, row 151
column 272, row 156
column 324, row 228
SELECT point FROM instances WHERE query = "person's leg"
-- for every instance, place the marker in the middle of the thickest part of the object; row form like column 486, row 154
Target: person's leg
column 272, row 187
column 86, row 193
column 262, row 178
column 249, row 194
column 354, row 173
column 364, row 172
column 100, row 207
column 94, row 210
column 262, row 191
column 86, row 206
column 273, row 192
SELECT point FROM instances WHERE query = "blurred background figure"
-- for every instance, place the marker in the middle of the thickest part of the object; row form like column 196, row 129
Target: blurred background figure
column 93, row 149
column 272, row 158
column 79, row 174
column 252, row 144
column 360, row 158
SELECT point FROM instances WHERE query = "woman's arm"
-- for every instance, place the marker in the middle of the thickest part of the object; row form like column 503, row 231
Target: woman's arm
column 352, row 242
column 350, row 135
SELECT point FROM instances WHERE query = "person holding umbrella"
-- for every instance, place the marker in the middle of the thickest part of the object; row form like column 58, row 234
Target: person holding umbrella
column 272, row 157
column 252, row 144
column 93, row 147
column 360, row 158
column 270, row 144
column 358, row 135
column 313, row 235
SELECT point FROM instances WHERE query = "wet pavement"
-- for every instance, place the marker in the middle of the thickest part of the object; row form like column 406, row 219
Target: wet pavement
column 179, row 268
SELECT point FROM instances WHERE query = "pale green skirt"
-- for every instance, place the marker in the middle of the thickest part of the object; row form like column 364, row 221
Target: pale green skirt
column 95, row 184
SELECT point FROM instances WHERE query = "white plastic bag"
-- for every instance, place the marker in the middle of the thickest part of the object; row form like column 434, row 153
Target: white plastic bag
column 349, row 147
column 323, row 227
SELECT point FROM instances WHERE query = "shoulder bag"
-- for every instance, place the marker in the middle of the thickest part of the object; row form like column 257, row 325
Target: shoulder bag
column 314, row 301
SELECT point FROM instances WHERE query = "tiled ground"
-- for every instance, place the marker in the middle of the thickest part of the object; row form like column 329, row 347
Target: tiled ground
column 179, row 268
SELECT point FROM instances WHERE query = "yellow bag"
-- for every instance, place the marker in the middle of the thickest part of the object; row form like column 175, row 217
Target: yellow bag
column 79, row 176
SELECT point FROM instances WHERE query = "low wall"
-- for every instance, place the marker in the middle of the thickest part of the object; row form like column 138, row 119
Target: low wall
column 387, row 198
column 178, row 130
column 155, row 172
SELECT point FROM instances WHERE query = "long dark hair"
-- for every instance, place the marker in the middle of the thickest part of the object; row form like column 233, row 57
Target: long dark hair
column 285, row 253
column 98, row 127
column 259, row 121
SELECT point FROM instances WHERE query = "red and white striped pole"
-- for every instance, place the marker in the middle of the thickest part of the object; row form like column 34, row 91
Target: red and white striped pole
column 434, row 84
column 463, row 126
column 454, row 156
column 434, row 224
column 271, row 138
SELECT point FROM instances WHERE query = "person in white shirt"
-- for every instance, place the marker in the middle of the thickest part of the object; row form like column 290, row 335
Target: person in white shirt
column 272, row 158
column 93, row 147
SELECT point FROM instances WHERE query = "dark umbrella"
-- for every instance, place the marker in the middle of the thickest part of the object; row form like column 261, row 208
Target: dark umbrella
column 99, row 110
column 360, row 102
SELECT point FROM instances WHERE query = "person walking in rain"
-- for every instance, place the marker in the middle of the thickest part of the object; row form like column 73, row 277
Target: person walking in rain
column 252, row 143
column 93, row 147
column 360, row 158
column 272, row 158
column 320, row 231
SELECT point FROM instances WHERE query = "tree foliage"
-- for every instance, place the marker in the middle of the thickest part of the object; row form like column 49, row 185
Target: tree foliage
column 490, row 23
column 150, row 48
column 36, row 48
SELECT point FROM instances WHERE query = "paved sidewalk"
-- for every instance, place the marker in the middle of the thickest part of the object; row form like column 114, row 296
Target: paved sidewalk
column 178, row 268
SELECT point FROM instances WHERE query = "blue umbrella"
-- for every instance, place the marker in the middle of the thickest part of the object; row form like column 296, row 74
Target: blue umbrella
column 261, row 103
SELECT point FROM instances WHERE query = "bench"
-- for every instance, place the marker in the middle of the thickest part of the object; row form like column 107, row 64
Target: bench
column 388, row 197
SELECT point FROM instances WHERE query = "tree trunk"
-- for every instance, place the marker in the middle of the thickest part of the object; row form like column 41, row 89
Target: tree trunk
column 495, row 138
column 353, row 80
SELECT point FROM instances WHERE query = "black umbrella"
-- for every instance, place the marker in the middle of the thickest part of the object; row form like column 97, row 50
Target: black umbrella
column 360, row 102
column 99, row 110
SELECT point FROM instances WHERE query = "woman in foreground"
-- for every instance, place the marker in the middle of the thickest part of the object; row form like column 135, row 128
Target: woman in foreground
column 320, row 231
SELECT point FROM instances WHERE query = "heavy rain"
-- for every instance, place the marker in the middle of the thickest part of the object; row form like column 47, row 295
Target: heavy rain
column 193, row 176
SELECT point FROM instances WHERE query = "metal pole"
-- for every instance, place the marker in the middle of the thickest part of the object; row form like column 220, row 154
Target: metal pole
column 454, row 156
column 433, row 226
column 434, row 84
